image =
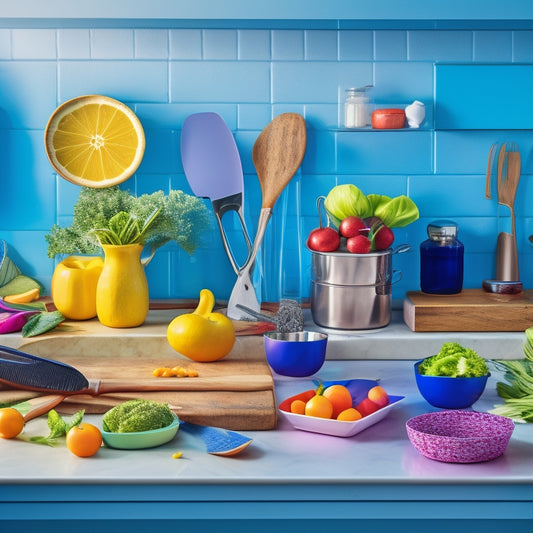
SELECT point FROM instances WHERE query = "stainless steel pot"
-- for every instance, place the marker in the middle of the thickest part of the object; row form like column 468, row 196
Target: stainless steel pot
column 353, row 291
column 344, row 268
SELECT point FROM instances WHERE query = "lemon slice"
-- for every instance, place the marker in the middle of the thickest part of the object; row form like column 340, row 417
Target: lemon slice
column 94, row 141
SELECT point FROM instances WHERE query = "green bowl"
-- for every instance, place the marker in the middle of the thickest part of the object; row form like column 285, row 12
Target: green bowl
column 141, row 439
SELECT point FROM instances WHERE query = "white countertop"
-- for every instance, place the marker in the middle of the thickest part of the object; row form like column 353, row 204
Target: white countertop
column 382, row 454
column 395, row 341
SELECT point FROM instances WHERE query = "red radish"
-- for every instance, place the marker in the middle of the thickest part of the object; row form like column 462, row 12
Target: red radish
column 323, row 240
column 383, row 237
column 351, row 226
column 358, row 244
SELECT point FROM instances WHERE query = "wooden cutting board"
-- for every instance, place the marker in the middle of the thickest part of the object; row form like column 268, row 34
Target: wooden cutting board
column 236, row 392
column 469, row 310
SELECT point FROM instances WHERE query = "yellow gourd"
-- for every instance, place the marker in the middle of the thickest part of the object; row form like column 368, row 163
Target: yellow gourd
column 74, row 286
column 202, row 335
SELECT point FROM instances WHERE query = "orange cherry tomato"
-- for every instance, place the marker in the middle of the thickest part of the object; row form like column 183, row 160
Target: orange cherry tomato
column 340, row 398
column 298, row 407
column 319, row 406
column 11, row 423
column 84, row 440
column 349, row 415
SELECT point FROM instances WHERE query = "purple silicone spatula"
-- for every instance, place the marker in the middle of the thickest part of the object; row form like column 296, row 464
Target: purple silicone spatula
column 213, row 169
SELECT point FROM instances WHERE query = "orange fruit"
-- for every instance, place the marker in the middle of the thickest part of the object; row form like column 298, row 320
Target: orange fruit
column 94, row 141
column 319, row 406
column 84, row 440
column 298, row 407
column 11, row 422
column 340, row 398
column 378, row 395
column 349, row 415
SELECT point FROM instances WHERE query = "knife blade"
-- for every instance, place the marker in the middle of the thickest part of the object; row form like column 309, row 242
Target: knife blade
column 23, row 370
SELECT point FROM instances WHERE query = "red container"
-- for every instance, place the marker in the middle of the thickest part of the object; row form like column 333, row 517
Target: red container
column 388, row 119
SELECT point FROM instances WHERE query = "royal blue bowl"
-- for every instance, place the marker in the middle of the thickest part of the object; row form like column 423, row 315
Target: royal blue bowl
column 450, row 393
column 296, row 354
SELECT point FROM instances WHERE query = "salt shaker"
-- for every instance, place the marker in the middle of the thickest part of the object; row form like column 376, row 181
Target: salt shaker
column 357, row 107
column 441, row 259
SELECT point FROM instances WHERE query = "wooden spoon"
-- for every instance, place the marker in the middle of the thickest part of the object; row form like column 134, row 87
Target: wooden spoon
column 277, row 154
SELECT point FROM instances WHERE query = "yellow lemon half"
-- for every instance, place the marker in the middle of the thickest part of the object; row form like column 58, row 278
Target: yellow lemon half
column 94, row 141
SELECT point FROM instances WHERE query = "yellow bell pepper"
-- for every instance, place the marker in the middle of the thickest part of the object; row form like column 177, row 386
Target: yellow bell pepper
column 202, row 335
column 74, row 286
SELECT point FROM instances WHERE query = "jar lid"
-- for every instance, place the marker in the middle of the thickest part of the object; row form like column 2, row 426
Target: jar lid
column 442, row 229
column 359, row 89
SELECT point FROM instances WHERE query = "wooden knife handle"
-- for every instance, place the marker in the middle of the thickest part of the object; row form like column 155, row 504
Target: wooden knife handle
column 219, row 383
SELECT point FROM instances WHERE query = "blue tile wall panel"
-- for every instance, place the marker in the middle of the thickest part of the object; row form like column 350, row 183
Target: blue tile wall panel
column 249, row 76
column 254, row 45
column 28, row 92
column 469, row 104
column 220, row 81
column 123, row 80
column 151, row 44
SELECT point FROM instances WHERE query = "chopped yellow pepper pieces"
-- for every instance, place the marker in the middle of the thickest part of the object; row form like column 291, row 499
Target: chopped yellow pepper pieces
column 177, row 371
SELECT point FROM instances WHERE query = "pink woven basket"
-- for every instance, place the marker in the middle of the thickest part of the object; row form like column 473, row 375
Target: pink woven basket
column 460, row 436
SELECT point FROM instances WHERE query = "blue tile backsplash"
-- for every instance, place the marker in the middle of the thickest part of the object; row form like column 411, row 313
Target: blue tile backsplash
column 249, row 76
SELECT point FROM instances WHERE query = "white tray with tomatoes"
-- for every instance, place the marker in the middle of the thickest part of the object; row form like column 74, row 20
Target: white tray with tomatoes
column 365, row 404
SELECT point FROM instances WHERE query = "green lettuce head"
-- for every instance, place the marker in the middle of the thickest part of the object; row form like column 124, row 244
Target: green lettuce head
column 346, row 200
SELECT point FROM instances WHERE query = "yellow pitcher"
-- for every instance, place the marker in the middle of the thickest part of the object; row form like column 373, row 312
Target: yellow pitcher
column 122, row 290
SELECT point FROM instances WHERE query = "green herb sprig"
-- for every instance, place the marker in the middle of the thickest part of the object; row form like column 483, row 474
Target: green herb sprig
column 59, row 427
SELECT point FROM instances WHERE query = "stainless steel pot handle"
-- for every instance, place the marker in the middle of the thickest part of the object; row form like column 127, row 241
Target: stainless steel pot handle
column 401, row 248
column 396, row 276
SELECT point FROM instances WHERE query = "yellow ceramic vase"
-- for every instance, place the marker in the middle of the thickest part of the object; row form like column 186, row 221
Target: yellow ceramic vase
column 122, row 290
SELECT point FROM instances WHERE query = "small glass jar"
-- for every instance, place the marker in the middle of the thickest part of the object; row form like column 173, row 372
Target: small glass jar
column 357, row 108
column 441, row 259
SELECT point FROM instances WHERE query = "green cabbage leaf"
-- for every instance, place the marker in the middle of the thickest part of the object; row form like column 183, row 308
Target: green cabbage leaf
column 346, row 200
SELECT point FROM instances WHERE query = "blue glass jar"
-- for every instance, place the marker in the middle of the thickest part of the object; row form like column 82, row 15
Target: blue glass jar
column 441, row 259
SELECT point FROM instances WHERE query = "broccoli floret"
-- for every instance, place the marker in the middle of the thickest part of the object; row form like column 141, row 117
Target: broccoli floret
column 454, row 361
column 137, row 415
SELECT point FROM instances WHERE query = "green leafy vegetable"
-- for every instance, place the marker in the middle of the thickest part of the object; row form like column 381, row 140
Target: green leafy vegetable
column 517, row 389
column 397, row 212
column 18, row 285
column 42, row 323
column 454, row 361
column 347, row 200
column 137, row 415
column 59, row 427
column 376, row 200
column 151, row 219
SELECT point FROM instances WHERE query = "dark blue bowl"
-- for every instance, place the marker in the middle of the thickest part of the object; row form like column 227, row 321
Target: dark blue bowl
column 450, row 393
column 297, row 354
